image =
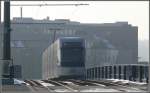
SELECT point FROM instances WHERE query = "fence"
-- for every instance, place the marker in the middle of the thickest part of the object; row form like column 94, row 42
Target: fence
column 132, row 72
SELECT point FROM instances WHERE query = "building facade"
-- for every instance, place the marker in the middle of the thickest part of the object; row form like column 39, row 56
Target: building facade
column 29, row 38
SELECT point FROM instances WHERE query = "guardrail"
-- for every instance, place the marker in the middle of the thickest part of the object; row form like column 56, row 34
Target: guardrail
column 134, row 72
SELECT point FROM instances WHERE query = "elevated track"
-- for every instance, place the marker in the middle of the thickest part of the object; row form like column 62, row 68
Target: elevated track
column 72, row 85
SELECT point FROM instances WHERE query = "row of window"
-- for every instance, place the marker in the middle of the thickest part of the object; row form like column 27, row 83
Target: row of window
column 26, row 43
column 61, row 32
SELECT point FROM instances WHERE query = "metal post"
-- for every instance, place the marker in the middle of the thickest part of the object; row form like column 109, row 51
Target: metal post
column 0, row 11
column 98, row 73
column 115, row 72
column 6, row 44
column 149, row 76
column 140, row 73
column 125, row 72
column 89, row 76
column 119, row 74
column 105, row 72
column 110, row 72
column 6, row 39
column 100, row 68
column 21, row 12
column 102, row 73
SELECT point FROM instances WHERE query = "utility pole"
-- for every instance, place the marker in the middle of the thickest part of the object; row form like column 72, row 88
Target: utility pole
column 21, row 12
column 148, row 85
column 0, row 11
column 7, row 78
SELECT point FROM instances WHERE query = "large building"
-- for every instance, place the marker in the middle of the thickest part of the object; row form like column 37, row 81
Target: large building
column 29, row 38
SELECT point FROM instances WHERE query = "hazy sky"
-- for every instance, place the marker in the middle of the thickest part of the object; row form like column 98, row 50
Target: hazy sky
column 135, row 12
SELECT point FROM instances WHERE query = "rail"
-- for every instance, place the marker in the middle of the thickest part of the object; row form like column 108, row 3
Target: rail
column 120, row 87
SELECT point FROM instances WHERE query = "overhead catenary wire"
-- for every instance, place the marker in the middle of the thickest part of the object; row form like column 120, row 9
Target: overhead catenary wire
column 48, row 4
column 41, row 5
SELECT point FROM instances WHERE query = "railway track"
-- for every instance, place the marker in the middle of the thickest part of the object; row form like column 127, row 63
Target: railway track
column 61, row 84
column 65, row 85
column 31, row 85
column 72, row 85
column 36, row 85
column 82, row 83
column 118, row 86
column 133, row 85
column 90, row 83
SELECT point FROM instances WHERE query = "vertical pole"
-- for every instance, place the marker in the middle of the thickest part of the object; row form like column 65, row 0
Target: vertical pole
column 115, row 72
column 119, row 74
column 140, row 73
column 6, row 39
column 103, row 72
column 0, row 11
column 125, row 72
column 54, row 35
column 149, row 76
column 6, row 44
column 21, row 12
